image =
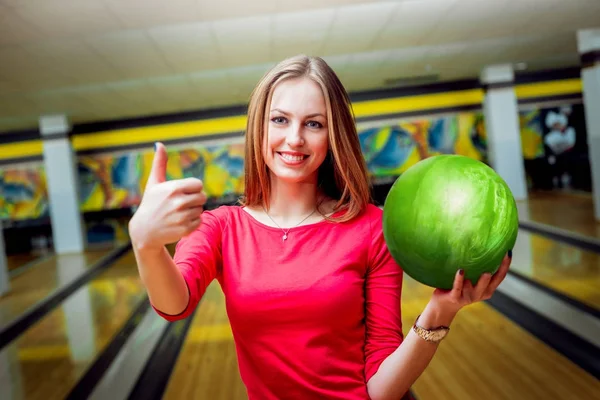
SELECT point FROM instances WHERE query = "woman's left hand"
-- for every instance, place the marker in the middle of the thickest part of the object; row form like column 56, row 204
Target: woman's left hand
column 464, row 293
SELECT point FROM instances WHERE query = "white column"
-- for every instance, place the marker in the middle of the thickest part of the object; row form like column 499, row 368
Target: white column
column 77, row 309
column 63, row 192
column 502, row 127
column 4, row 277
column 589, row 50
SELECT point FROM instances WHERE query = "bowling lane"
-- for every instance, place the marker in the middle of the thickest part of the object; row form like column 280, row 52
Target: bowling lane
column 35, row 284
column 207, row 364
column 47, row 360
column 571, row 212
column 566, row 269
column 487, row 356
column 16, row 261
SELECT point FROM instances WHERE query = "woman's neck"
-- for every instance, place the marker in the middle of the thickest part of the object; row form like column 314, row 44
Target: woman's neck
column 290, row 201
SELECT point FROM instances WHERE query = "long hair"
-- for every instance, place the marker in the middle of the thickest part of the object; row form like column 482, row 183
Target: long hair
column 343, row 174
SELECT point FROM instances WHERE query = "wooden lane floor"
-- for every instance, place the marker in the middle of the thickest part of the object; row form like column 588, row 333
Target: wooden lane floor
column 17, row 261
column 37, row 283
column 207, row 365
column 48, row 359
column 566, row 269
column 571, row 212
column 486, row 356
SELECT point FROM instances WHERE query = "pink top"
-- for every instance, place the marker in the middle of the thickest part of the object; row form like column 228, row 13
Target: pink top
column 313, row 316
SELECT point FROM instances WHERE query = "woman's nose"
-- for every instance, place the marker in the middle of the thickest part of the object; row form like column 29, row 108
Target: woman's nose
column 294, row 137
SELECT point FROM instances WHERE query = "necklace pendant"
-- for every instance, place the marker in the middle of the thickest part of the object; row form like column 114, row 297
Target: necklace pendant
column 284, row 236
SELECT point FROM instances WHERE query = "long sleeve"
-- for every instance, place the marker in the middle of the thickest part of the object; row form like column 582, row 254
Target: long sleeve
column 198, row 256
column 383, row 295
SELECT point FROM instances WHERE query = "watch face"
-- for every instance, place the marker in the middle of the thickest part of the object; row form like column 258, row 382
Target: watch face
column 438, row 335
column 435, row 335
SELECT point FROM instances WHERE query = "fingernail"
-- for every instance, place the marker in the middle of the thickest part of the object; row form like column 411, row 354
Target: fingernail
column 461, row 272
column 155, row 146
column 510, row 254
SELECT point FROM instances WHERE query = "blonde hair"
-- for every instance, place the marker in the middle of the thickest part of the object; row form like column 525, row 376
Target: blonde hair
column 343, row 174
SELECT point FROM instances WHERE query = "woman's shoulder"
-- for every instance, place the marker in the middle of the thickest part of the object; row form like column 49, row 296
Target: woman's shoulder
column 222, row 214
column 371, row 214
column 374, row 211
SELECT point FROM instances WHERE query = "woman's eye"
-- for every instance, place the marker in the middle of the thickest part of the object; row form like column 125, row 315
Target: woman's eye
column 315, row 124
column 278, row 120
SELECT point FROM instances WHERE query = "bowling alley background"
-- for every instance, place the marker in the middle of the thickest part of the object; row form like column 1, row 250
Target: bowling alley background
column 424, row 122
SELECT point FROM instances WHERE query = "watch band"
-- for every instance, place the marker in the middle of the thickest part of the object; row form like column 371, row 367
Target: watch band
column 434, row 335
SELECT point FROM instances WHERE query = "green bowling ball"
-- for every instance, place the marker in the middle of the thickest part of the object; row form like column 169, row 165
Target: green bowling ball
column 446, row 213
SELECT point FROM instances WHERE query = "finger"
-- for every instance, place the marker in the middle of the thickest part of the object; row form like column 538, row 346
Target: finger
column 186, row 201
column 189, row 214
column 192, row 200
column 467, row 292
column 482, row 285
column 498, row 276
column 193, row 224
column 158, row 172
column 502, row 271
column 457, row 287
column 187, row 185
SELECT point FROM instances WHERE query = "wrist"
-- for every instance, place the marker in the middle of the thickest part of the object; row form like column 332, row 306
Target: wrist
column 143, row 246
column 139, row 238
column 434, row 316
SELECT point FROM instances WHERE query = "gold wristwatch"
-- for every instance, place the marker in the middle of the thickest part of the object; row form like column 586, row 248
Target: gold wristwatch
column 434, row 335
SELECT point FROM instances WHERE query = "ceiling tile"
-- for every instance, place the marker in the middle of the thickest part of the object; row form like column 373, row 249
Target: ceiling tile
column 410, row 22
column 301, row 32
column 59, row 103
column 136, row 91
column 212, row 84
column 243, row 41
column 365, row 67
column 59, row 18
column 187, row 47
column 15, row 30
column 75, row 59
column 558, row 15
column 148, row 13
column 463, row 19
column 173, row 89
column 23, row 69
column 210, row 10
column 133, row 53
column 8, row 124
column 337, row 62
column 344, row 37
column 302, row 5
column 9, row 3
column 246, row 78
column 8, row 87
column 106, row 58
column 17, row 106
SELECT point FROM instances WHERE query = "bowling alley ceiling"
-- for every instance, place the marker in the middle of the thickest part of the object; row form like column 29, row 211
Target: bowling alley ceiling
column 109, row 59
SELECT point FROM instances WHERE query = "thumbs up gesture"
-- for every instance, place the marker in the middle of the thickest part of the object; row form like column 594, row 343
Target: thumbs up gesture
column 169, row 210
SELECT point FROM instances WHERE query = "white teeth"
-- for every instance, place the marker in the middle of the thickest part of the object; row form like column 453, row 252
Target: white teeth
column 291, row 157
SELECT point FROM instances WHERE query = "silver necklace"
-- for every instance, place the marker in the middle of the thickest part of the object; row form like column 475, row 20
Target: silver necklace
column 285, row 232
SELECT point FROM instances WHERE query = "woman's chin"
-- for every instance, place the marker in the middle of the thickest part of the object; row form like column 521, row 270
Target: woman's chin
column 295, row 176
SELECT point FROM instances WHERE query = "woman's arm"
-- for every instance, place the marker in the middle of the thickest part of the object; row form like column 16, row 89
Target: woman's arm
column 402, row 368
column 164, row 283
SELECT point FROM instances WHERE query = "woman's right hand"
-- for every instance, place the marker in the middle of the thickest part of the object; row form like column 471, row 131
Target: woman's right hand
column 169, row 210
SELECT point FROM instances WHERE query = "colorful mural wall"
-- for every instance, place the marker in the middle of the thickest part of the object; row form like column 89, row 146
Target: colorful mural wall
column 109, row 182
column 116, row 181
column 23, row 193
column 391, row 149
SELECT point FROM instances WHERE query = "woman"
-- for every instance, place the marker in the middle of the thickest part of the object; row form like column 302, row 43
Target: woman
column 312, row 293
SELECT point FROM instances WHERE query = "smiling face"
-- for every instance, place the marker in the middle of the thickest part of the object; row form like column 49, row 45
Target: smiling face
column 296, row 141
